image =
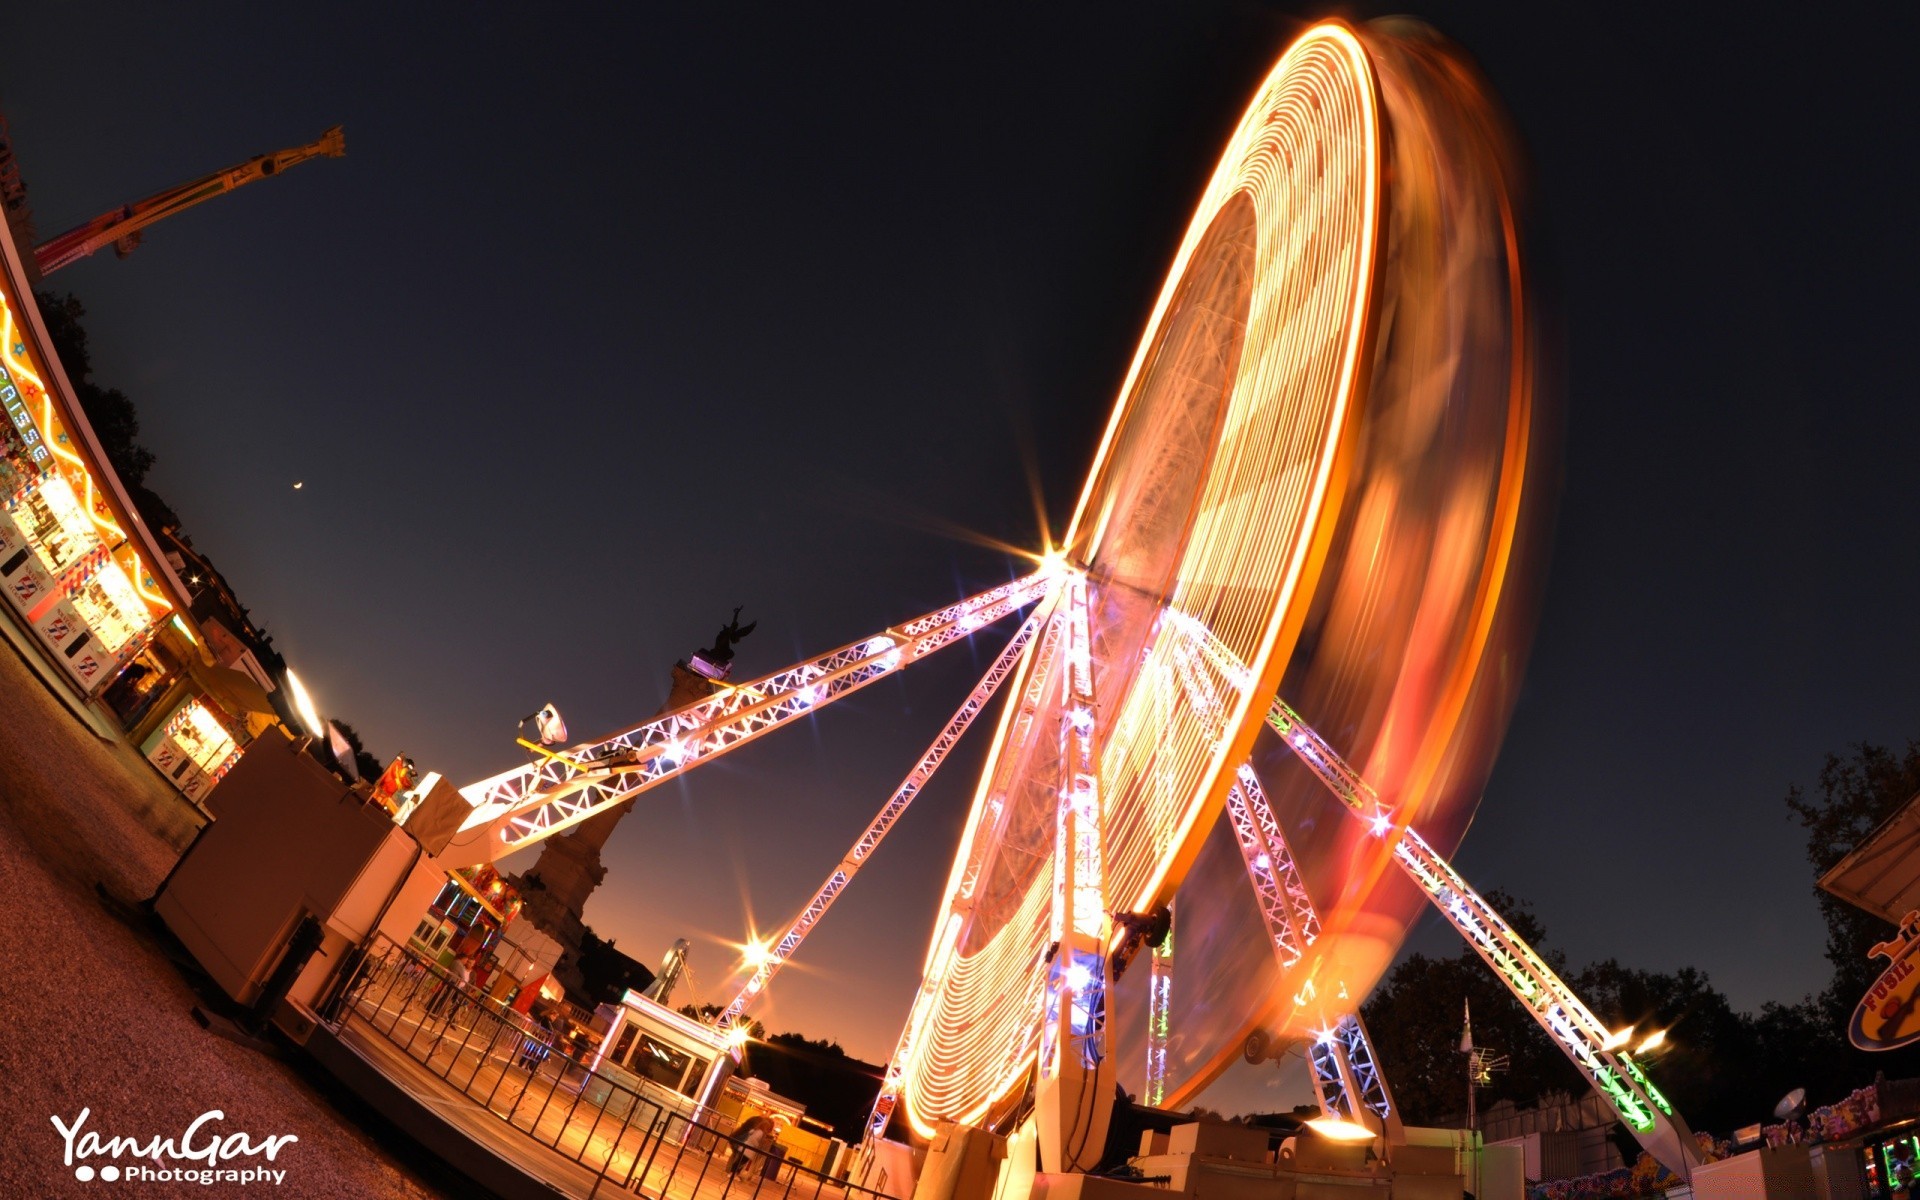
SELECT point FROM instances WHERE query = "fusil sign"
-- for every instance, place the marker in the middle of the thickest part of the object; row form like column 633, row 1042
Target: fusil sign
column 1888, row 1016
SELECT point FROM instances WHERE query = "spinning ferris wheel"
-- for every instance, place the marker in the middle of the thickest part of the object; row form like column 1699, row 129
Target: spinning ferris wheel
column 1259, row 686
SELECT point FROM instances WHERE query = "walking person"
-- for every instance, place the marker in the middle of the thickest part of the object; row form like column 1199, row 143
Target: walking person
column 447, row 990
column 534, row 1047
column 462, row 976
column 753, row 1135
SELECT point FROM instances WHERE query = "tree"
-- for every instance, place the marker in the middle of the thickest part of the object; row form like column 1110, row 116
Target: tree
column 1720, row 1068
column 1415, row 1018
column 1855, row 795
column 114, row 419
column 835, row 1087
column 366, row 764
column 1706, row 1066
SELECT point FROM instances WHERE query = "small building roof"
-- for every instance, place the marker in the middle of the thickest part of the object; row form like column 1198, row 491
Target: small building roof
column 1882, row 874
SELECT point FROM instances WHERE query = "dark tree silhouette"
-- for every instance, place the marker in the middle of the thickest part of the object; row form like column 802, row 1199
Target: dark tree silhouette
column 1721, row 1068
column 1415, row 1019
column 1854, row 795
column 365, row 763
column 836, row 1087
column 115, row 420
column 113, row 417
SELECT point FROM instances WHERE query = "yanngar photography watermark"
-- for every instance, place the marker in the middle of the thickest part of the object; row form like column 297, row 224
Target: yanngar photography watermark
column 203, row 1153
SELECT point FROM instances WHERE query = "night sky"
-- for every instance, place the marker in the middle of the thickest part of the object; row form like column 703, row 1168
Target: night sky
column 612, row 321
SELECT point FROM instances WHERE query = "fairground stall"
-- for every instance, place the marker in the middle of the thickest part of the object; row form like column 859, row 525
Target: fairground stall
column 92, row 603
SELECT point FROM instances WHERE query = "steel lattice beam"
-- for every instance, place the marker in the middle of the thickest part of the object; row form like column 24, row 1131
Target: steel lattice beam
column 1346, row 1077
column 1159, row 1021
column 1567, row 1020
column 889, row 814
column 1291, row 920
column 1073, row 1072
column 524, row 805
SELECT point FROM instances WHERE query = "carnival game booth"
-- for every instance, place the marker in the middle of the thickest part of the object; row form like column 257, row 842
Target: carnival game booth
column 88, row 587
column 193, row 748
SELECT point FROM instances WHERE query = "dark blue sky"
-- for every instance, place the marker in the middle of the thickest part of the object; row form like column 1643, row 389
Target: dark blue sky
column 612, row 321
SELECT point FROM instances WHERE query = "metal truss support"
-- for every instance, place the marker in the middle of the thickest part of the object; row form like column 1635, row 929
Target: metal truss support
column 1073, row 1089
column 1159, row 1021
column 889, row 1096
column 1591, row 1046
column 514, row 809
column 890, row 812
column 1019, row 725
column 1291, row 920
column 1346, row 1079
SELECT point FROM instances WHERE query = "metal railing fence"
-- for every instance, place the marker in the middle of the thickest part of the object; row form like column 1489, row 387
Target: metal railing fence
column 511, row 1066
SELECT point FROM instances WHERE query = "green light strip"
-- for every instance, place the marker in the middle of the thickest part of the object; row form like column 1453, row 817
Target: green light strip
column 1646, row 1085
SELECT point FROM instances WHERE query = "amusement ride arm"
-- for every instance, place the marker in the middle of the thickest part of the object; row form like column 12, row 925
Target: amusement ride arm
column 771, row 959
column 121, row 227
column 1580, row 1035
column 517, row 808
column 1571, row 1026
column 1346, row 1075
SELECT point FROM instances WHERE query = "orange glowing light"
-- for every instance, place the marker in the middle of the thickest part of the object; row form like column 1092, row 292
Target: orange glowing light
column 1271, row 458
column 1335, row 1129
column 1267, row 301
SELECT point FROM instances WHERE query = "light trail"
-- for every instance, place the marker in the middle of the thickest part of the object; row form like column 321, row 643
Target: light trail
column 1257, row 339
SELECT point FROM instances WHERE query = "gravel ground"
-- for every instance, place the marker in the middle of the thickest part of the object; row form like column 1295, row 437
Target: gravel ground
column 93, row 1015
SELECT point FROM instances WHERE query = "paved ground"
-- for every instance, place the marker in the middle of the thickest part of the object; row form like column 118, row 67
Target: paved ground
column 92, row 1014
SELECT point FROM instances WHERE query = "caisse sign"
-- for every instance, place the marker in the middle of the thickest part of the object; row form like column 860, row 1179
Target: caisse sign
column 1888, row 1016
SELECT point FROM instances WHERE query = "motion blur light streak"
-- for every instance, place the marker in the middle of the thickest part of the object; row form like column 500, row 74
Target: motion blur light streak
column 1336, row 1130
column 303, row 704
column 1203, row 505
column 1320, row 479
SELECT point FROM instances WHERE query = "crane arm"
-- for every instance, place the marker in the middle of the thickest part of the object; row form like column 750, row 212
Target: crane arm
column 121, row 227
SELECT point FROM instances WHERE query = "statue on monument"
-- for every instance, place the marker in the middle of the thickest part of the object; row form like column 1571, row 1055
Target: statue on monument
column 721, row 652
column 716, row 661
column 569, row 869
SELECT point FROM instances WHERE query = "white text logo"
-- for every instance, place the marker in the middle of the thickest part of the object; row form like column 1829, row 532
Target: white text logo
column 209, row 1154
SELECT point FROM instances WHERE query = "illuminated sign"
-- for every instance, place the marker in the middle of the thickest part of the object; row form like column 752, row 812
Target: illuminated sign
column 22, row 419
column 66, row 562
column 1888, row 1016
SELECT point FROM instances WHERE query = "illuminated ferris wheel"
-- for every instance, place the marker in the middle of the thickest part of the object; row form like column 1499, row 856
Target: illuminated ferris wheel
column 1260, row 684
